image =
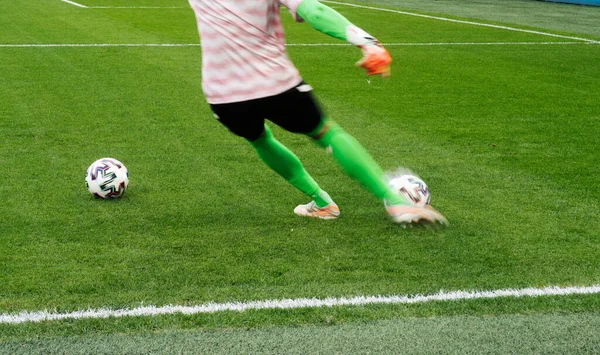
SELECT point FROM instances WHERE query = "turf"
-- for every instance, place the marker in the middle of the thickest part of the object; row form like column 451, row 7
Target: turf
column 528, row 13
column 495, row 334
column 505, row 136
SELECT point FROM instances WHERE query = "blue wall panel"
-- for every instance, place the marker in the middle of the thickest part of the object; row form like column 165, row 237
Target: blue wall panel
column 581, row 2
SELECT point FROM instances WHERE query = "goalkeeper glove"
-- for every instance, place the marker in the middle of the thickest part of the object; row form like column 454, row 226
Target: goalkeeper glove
column 376, row 60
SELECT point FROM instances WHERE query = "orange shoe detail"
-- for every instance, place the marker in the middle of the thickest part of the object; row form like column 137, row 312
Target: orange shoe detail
column 330, row 211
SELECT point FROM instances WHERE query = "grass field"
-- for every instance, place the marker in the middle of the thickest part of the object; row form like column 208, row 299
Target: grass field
column 501, row 121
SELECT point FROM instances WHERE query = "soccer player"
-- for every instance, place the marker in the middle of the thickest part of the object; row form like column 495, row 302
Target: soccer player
column 247, row 77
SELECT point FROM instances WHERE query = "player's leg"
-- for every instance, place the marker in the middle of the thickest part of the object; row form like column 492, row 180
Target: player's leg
column 355, row 160
column 300, row 113
column 304, row 116
column 283, row 161
column 358, row 164
column 246, row 120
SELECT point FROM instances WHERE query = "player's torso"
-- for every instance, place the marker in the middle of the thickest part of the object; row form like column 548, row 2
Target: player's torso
column 243, row 50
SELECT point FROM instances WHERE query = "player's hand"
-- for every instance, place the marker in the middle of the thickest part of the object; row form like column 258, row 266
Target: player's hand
column 376, row 60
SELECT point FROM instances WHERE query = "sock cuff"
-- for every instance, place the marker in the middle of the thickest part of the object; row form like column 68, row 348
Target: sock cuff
column 322, row 138
column 325, row 122
column 266, row 136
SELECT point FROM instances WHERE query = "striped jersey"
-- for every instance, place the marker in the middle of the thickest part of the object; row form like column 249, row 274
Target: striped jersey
column 243, row 49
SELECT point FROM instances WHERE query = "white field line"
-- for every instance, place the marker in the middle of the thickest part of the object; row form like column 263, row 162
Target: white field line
column 410, row 44
column 138, row 7
column 25, row 45
column 74, row 3
column 462, row 21
column 102, row 45
column 442, row 296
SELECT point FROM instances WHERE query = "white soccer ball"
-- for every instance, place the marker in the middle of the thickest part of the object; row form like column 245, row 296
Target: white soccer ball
column 412, row 188
column 107, row 178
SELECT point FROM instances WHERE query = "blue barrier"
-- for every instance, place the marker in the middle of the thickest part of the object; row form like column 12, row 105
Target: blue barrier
column 580, row 2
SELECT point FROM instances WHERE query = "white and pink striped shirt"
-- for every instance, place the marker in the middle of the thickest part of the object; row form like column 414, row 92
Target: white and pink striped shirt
column 243, row 49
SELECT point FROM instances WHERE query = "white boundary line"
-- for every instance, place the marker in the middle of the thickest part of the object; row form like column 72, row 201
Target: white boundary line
column 124, row 7
column 101, row 45
column 138, row 7
column 462, row 21
column 26, row 45
column 74, row 3
column 442, row 296
column 410, row 44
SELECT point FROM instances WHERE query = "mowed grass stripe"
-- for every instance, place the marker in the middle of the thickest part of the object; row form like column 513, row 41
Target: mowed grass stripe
column 501, row 334
column 439, row 18
column 76, row 25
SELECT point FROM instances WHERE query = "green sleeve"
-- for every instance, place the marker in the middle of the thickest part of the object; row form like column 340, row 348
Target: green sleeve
column 323, row 18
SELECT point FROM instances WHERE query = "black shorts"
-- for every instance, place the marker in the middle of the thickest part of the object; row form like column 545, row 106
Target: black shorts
column 294, row 110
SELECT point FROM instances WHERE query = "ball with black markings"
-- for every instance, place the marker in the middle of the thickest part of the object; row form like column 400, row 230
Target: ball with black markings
column 107, row 178
column 412, row 188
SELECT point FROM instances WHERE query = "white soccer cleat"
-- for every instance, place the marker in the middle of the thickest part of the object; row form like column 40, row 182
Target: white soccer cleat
column 330, row 211
column 407, row 215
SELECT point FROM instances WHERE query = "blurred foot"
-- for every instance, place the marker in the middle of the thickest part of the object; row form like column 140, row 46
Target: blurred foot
column 330, row 211
column 406, row 215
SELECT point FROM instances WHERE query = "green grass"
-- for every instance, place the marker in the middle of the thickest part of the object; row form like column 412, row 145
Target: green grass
column 582, row 20
column 538, row 333
column 505, row 136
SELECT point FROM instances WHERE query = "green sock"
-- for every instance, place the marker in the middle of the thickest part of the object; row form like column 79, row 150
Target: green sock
column 356, row 162
column 285, row 163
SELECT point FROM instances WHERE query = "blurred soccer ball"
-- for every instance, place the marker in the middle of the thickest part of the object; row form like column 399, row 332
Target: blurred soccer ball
column 412, row 188
column 107, row 178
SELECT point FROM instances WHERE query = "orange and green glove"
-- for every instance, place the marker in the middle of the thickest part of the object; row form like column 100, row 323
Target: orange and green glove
column 376, row 60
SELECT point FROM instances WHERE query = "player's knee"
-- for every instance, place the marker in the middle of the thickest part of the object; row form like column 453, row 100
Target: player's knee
column 322, row 134
column 265, row 136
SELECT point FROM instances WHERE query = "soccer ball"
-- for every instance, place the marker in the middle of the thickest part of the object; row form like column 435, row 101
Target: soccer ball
column 412, row 188
column 107, row 178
